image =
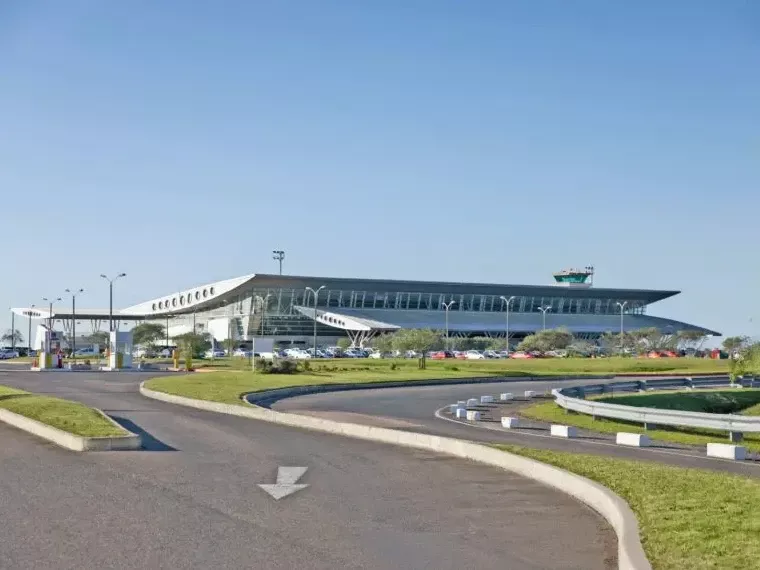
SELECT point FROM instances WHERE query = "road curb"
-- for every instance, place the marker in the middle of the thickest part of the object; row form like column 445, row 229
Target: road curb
column 69, row 440
column 268, row 397
column 615, row 510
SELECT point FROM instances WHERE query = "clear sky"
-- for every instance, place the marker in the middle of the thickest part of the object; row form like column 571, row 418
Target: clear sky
column 493, row 141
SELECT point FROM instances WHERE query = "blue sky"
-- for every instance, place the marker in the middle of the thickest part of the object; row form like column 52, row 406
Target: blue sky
column 494, row 141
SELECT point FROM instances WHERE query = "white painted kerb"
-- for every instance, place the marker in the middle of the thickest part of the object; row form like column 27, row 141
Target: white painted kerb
column 69, row 440
column 617, row 512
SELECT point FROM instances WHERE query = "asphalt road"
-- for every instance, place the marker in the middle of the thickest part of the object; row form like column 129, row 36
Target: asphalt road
column 413, row 408
column 190, row 500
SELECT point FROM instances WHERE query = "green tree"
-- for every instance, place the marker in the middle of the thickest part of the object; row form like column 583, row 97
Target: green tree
column 194, row 344
column 13, row 337
column 546, row 340
column 100, row 338
column 690, row 339
column 418, row 340
column 344, row 343
column 733, row 344
column 147, row 334
column 384, row 342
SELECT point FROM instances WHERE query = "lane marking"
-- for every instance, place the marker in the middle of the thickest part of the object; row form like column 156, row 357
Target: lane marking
column 440, row 416
column 286, row 484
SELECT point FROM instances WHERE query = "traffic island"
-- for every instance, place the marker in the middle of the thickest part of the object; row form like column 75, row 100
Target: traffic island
column 68, row 424
column 689, row 518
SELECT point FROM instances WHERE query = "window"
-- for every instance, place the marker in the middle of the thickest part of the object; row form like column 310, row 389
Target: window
column 205, row 293
column 160, row 305
column 174, row 302
column 182, row 300
column 154, row 306
column 211, row 290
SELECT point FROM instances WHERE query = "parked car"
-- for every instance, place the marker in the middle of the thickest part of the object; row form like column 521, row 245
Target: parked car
column 84, row 352
column 243, row 353
column 521, row 355
column 474, row 355
column 6, row 354
column 213, row 353
column 353, row 353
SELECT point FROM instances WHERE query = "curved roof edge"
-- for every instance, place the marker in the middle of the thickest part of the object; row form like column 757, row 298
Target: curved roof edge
column 186, row 300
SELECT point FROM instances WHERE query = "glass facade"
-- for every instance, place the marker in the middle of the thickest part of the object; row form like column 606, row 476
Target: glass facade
column 272, row 310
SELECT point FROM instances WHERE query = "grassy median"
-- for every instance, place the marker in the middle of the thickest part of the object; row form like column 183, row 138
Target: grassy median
column 552, row 413
column 227, row 380
column 689, row 518
column 71, row 417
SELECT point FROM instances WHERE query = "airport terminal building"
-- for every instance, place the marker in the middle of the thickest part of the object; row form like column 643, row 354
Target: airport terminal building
column 283, row 307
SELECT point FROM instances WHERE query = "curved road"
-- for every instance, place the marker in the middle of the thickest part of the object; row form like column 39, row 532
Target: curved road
column 413, row 408
column 191, row 500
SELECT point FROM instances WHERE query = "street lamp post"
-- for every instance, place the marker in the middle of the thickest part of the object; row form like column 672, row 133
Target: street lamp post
column 622, row 309
column 316, row 296
column 506, row 335
column 447, row 306
column 110, row 297
column 545, row 310
column 74, row 319
column 278, row 255
column 13, row 330
column 48, row 335
column 29, row 336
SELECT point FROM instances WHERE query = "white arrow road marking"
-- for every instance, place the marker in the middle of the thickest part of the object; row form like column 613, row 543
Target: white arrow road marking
column 286, row 482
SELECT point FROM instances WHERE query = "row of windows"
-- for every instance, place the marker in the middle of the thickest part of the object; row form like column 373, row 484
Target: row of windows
column 282, row 299
column 183, row 300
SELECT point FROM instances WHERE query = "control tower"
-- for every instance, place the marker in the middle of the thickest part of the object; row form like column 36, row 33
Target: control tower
column 575, row 278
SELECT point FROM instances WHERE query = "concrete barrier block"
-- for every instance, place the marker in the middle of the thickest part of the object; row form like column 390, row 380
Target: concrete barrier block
column 506, row 396
column 472, row 402
column 509, row 422
column 633, row 439
column 462, row 403
column 563, row 431
column 454, row 407
column 727, row 451
column 486, row 399
column 530, row 393
column 473, row 415
column 461, row 413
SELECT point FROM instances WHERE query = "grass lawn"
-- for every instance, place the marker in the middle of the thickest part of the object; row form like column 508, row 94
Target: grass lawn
column 535, row 366
column 689, row 518
column 552, row 413
column 706, row 401
column 62, row 414
column 231, row 377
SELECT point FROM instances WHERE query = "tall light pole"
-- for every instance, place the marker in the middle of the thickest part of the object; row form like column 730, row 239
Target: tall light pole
column 49, row 333
column 545, row 310
column 622, row 309
column 74, row 319
column 447, row 306
column 506, row 336
column 29, row 337
column 278, row 255
column 110, row 297
column 316, row 296
column 263, row 308
column 13, row 329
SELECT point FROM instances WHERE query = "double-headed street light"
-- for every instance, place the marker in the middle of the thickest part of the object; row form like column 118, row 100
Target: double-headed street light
column 316, row 296
column 506, row 336
column 29, row 337
column 74, row 319
column 545, row 310
column 447, row 306
column 48, row 335
column 110, row 297
column 622, row 310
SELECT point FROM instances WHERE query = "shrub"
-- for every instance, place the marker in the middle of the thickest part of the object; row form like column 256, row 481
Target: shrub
column 306, row 365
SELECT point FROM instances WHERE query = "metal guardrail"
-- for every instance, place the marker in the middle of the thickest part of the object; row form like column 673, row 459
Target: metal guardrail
column 573, row 399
